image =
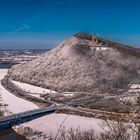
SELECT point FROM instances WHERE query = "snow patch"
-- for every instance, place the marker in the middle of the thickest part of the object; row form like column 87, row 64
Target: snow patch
column 135, row 86
column 15, row 104
column 32, row 88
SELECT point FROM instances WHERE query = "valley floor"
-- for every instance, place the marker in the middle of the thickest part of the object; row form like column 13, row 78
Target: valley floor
column 48, row 124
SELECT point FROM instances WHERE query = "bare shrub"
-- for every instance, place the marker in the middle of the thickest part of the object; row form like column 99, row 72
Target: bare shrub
column 116, row 130
column 120, row 130
column 113, row 130
column 77, row 134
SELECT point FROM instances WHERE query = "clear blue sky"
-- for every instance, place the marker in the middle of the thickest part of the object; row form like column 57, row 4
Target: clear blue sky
column 45, row 23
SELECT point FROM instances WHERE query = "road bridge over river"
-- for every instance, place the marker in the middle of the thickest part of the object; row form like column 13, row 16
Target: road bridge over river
column 19, row 118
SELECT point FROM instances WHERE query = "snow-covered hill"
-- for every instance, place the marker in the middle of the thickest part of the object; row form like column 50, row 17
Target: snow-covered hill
column 73, row 66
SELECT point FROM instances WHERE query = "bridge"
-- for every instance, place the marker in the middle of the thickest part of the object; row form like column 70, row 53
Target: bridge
column 19, row 118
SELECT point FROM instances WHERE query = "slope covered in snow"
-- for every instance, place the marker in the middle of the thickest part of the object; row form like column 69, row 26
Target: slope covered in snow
column 73, row 66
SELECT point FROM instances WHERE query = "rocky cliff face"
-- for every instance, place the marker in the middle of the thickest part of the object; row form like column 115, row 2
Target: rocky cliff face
column 73, row 66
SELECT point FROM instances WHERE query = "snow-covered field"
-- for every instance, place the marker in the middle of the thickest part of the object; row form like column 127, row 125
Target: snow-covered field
column 49, row 123
column 32, row 88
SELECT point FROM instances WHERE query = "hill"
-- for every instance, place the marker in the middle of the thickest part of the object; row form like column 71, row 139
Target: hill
column 76, row 66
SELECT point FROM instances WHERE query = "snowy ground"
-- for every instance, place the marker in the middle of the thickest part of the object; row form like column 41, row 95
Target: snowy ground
column 135, row 88
column 32, row 88
column 49, row 123
column 37, row 91
column 15, row 104
column 102, row 48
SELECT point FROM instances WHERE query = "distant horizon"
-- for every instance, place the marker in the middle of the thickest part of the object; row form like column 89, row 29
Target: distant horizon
column 41, row 24
column 18, row 44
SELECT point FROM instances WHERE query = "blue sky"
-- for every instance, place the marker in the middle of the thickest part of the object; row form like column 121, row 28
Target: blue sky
column 45, row 23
